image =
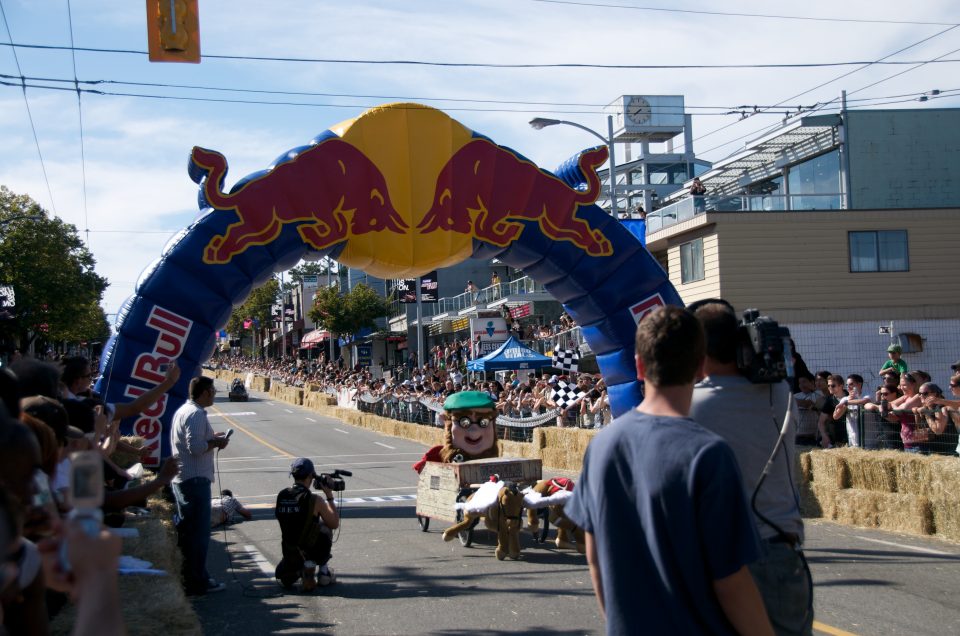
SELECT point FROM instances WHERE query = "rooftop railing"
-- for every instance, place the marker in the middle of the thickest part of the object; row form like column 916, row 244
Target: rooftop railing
column 456, row 304
column 689, row 207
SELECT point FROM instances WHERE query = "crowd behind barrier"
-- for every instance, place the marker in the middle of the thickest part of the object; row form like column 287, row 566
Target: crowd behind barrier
column 524, row 399
column 906, row 412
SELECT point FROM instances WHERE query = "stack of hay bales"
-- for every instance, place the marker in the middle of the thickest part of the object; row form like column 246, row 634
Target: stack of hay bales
column 889, row 490
column 149, row 604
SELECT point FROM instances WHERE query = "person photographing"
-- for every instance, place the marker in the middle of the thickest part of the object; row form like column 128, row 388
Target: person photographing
column 307, row 521
column 194, row 443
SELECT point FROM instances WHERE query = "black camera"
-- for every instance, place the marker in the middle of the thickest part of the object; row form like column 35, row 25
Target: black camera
column 764, row 355
column 333, row 480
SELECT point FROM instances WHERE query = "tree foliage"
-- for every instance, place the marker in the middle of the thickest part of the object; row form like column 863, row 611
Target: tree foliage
column 350, row 312
column 57, row 292
column 305, row 268
column 258, row 306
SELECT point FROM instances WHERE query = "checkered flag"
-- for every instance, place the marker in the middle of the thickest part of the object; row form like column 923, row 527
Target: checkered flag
column 566, row 394
column 566, row 359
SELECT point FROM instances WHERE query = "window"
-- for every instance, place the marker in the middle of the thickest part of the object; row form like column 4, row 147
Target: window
column 691, row 261
column 880, row 251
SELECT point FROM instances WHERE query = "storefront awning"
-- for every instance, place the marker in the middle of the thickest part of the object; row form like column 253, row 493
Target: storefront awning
column 314, row 337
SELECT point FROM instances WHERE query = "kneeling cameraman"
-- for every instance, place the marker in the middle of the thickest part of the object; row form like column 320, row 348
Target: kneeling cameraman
column 306, row 524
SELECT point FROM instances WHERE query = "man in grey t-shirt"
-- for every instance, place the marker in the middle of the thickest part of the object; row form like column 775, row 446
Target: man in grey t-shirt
column 749, row 417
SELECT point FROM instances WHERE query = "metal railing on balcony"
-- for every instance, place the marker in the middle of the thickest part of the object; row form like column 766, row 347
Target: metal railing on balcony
column 456, row 304
column 689, row 207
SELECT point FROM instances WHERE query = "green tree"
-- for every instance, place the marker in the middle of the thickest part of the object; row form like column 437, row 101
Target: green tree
column 52, row 274
column 307, row 268
column 257, row 306
column 348, row 313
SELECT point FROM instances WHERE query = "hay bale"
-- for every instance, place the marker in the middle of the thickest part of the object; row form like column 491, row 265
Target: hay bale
column 944, row 477
column 818, row 500
column 904, row 513
column 809, row 504
column 870, row 470
column 858, row 508
column 829, row 467
column 946, row 517
column 803, row 467
column 915, row 473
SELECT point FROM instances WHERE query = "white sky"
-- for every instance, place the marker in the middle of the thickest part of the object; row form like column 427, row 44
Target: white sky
column 137, row 189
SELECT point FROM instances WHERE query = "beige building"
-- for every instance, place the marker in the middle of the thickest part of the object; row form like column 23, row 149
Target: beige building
column 780, row 230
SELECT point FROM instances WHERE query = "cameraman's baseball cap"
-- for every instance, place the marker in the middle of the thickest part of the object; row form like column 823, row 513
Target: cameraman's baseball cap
column 955, row 366
column 301, row 467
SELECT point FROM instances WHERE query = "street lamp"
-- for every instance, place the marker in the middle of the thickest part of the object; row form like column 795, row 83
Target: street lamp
column 539, row 123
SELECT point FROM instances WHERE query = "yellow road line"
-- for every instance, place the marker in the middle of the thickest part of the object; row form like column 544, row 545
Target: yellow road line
column 253, row 435
column 829, row 629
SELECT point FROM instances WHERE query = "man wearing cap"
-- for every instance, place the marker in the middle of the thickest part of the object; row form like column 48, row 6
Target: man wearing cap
column 470, row 430
column 895, row 362
column 306, row 524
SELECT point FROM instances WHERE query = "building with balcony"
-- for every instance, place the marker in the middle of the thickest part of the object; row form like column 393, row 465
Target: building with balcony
column 834, row 225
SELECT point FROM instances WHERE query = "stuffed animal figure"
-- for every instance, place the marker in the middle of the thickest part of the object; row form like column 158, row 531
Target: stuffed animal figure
column 500, row 505
column 553, row 494
column 470, row 430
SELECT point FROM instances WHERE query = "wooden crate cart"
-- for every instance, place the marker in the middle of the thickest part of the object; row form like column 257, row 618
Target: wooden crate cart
column 442, row 485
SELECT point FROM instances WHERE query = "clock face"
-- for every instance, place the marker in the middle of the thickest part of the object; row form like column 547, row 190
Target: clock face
column 638, row 110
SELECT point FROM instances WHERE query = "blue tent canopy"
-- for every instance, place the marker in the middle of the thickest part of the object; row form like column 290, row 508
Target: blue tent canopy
column 512, row 354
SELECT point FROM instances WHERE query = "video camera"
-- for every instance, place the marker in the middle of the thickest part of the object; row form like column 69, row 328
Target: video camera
column 333, row 480
column 764, row 355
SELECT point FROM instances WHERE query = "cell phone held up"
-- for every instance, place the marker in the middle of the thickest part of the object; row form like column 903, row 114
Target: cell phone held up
column 86, row 496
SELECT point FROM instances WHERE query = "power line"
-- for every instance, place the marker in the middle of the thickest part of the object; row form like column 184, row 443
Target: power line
column 83, row 158
column 26, row 102
column 256, row 91
column 821, row 85
column 739, row 15
column 490, row 65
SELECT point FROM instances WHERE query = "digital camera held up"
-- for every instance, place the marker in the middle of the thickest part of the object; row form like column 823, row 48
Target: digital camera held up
column 764, row 355
column 334, row 481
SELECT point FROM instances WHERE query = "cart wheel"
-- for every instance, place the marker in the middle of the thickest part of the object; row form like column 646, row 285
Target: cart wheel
column 465, row 536
column 544, row 515
column 424, row 523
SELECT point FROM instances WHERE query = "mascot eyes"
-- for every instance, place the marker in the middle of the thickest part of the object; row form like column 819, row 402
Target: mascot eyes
column 466, row 422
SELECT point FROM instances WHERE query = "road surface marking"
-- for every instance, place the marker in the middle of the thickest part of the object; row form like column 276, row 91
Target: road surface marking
column 908, row 547
column 310, row 419
column 246, row 498
column 254, row 436
column 259, row 559
column 346, row 501
column 385, row 446
column 288, row 411
column 270, row 404
column 340, row 430
column 238, row 414
column 830, row 629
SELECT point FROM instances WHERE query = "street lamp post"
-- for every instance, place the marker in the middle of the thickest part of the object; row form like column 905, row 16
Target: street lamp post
column 540, row 123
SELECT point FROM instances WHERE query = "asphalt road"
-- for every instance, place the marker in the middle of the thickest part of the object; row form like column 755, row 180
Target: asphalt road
column 395, row 579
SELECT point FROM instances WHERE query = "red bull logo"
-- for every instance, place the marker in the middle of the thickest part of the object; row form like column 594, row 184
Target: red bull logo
column 332, row 189
column 368, row 189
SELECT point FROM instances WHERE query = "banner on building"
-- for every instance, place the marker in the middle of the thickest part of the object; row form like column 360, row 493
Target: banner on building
column 487, row 334
column 407, row 290
column 429, row 287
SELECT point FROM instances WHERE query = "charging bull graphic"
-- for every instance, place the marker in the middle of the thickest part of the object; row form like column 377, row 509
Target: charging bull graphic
column 398, row 191
column 470, row 199
column 321, row 187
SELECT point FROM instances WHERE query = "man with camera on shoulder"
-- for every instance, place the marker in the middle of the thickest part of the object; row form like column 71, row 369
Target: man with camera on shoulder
column 307, row 521
column 744, row 399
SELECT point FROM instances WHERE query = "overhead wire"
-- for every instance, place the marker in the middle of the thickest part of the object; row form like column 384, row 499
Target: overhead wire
column 740, row 14
column 26, row 101
column 490, row 65
column 83, row 158
column 422, row 98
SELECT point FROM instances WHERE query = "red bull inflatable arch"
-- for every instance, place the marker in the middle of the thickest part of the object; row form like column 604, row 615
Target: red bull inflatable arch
column 399, row 191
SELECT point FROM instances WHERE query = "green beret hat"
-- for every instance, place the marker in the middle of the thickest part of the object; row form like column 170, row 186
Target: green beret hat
column 469, row 400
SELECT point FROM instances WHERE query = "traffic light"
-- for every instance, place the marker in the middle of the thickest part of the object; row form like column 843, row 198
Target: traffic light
column 173, row 31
